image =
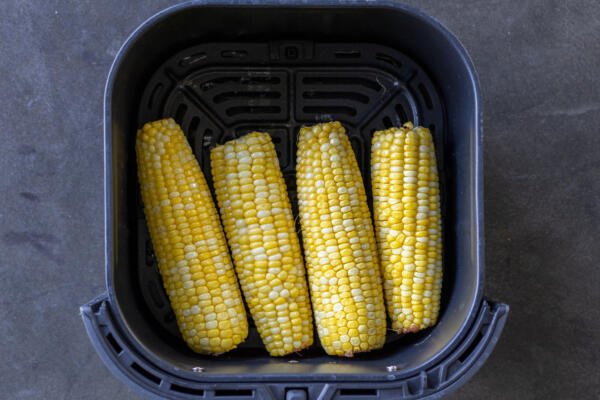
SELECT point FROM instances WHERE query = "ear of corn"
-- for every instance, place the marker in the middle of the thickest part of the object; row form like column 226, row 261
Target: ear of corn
column 339, row 244
column 188, row 241
column 406, row 205
column 259, row 225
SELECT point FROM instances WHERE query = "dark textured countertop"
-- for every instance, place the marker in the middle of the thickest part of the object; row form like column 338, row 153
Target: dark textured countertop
column 538, row 63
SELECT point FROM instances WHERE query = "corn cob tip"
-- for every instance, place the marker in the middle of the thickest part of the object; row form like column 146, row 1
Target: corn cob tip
column 411, row 329
column 376, row 139
column 165, row 122
column 254, row 136
column 310, row 130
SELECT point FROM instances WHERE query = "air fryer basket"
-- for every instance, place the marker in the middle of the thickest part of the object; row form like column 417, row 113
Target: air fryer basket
column 224, row 69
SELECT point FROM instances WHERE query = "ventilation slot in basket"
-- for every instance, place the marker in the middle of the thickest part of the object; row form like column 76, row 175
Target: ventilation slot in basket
column 145, row 373
column 237, row 80
column 387, row 122
column 187, row 390
column 401, row 113
column 358, row 392
column 233, row 111
column 113, row 343
column 326, row 112
column 180, row 113
column 455, row 367
column 353, row 96
column 193, row 125
column 463, row 357
column 234, row 393
column 332, row 80
column 245, row 96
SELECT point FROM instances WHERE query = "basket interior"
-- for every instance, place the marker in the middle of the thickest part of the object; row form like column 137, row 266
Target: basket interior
column 220, row 90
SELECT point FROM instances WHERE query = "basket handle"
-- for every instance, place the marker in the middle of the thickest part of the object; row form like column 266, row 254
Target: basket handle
column 114, row 350
column 439, row 380
column 129, row 365
column 446, row 376
column 464, row 362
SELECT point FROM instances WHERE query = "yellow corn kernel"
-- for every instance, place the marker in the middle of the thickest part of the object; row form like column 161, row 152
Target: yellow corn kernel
column 339, row 245
column 264, row 244
column 406, row 206
column 194, row 264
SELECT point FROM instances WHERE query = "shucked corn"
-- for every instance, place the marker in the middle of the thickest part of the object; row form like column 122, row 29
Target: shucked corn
column 188, row 241
column 406, row 205
column 339, row 244
column 260, row 229
column 342, row 255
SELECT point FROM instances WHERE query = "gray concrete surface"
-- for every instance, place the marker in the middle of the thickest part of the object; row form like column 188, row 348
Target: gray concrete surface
column 539, row 64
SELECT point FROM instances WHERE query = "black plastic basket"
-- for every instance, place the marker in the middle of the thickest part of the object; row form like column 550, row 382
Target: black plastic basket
column 222, row 69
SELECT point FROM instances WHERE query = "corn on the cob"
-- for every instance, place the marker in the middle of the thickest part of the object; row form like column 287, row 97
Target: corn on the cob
column 406, row 205
column 259, row 225
column 339, row 244
column 188, row 241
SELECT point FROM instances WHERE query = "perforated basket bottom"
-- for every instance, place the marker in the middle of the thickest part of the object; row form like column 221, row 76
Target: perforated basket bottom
column 220, row 91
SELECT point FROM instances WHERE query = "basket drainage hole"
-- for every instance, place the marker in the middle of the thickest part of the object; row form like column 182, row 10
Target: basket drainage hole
column 387, row 122
column 113, row 343
column 401, row 113
column 233, row 393
column 145, row 373
column 358, row 392
column 194, row 125
column 187, row 390
column 180, row 113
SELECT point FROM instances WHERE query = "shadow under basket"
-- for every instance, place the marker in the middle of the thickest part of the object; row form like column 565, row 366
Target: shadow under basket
column 223, row 69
